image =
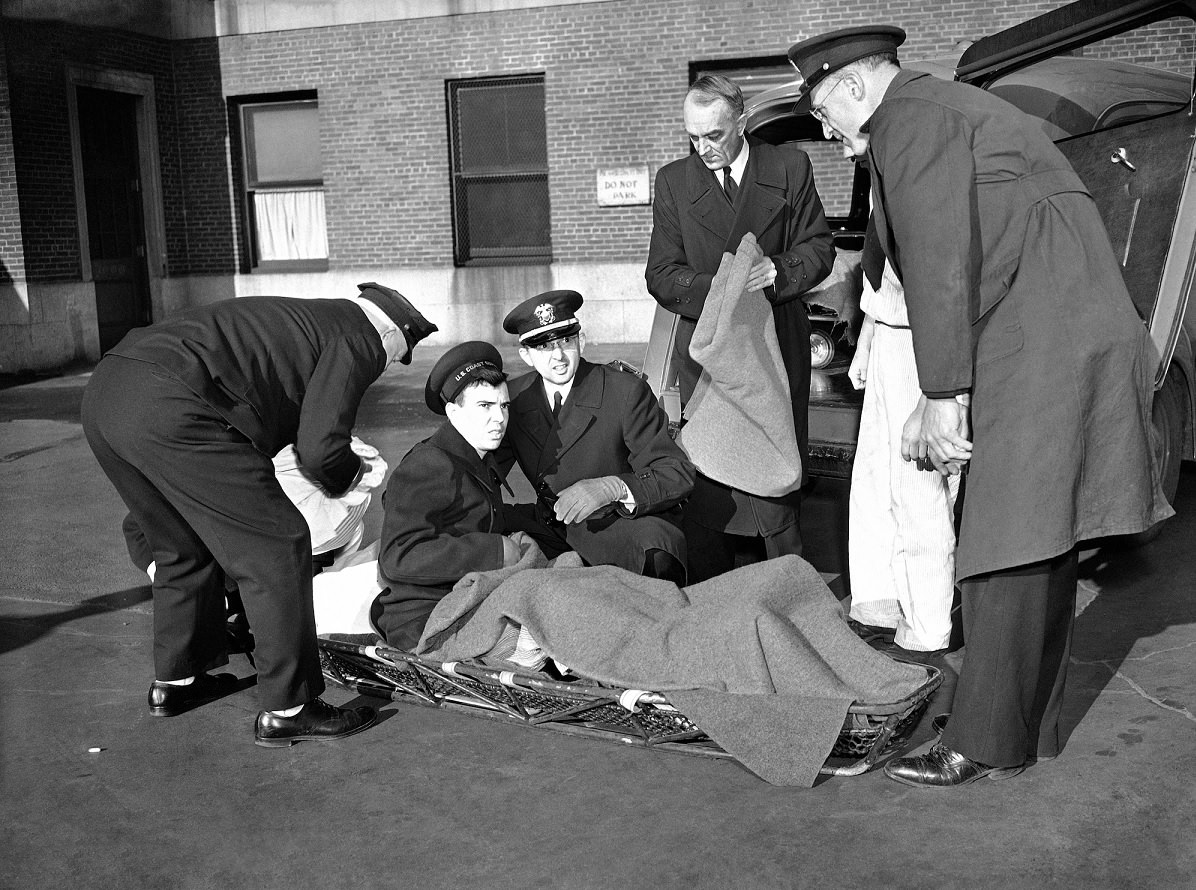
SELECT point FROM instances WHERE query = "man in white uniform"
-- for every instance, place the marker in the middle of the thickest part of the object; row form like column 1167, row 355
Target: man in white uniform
column 901, row 529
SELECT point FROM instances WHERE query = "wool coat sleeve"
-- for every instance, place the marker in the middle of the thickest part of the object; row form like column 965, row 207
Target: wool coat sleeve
column 660, row 476
column 809, row 250
column 922, row 153
column 345, row 369
column 672, row 276
column 431, row 528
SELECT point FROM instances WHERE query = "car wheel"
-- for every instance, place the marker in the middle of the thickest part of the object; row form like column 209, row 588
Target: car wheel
column 822, row 349
column 1169, row 417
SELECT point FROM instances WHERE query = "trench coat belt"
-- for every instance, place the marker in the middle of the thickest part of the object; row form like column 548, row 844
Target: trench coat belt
column 896, row 327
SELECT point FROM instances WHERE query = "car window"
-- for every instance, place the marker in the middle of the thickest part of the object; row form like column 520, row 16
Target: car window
column 1131, row 77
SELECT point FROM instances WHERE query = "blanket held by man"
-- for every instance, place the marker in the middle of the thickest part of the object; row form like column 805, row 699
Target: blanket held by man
column 760, row 658
column 738, row 427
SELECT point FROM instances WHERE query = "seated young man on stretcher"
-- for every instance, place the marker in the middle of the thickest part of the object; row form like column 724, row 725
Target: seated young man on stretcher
column 444, row 509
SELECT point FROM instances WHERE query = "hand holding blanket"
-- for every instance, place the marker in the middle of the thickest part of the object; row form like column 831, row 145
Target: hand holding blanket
column 738, row 426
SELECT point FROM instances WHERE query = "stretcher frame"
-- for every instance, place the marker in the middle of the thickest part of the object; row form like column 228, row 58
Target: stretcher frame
column 585, row 708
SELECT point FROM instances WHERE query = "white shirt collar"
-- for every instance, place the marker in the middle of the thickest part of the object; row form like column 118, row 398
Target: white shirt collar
column 551, row 388
column 739, row 164
column 383, row 324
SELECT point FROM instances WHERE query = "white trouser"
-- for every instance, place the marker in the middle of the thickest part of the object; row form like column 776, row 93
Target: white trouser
column 901, row 538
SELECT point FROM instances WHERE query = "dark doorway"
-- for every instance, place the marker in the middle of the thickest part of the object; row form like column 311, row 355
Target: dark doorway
column 115, row 224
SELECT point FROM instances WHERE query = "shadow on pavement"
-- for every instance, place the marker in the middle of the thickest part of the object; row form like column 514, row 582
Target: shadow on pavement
column 17, row 631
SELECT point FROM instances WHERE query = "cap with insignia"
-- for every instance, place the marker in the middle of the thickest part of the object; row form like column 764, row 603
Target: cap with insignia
column 548, row 316
column 456, row 369
column 817, row 57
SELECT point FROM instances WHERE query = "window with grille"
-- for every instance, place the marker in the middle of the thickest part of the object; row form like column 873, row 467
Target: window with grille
column 284, row 183
column 499, row 157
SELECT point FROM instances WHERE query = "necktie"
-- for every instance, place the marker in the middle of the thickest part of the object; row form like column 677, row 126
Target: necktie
column 729, row 186
column 556, row 405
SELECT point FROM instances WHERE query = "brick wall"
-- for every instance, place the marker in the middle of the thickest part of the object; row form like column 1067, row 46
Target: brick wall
column 38, row 56
column 12, row 251
column 615, row 74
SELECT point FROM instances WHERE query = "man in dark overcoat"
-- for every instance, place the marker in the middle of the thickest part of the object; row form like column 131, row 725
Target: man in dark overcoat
column 594, row 443
column 703, row 205
column 444, row 513
column 185, row 417
column 1016, row 299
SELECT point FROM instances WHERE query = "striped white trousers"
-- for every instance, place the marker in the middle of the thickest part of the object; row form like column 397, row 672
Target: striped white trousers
column 901, row 539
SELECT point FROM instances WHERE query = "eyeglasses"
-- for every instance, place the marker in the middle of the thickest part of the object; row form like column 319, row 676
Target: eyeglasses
column 819, row 110
column 551, row 345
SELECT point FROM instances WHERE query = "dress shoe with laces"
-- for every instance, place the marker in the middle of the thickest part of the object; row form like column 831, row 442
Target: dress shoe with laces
column 168, row 700
column 943, row 768
column 318, row 721
column 938, row 726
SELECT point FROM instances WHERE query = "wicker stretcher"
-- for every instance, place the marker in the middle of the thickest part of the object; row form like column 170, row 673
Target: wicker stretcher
column 586, row 708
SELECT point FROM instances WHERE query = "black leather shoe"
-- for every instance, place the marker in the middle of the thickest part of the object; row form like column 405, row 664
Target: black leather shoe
column 944, row 768
column 318, row 721
column 166, row 700
column 871, row 633
column 939, row 723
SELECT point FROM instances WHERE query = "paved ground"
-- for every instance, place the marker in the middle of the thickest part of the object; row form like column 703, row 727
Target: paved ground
column 438, row 800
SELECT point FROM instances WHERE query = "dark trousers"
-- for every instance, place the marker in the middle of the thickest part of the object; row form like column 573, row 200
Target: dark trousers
column 209, row 504
column 713, row 552
column 1017, row 626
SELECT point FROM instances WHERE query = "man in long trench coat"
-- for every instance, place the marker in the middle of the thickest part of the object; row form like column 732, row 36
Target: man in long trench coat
column 1015, row 298
column 696, row 216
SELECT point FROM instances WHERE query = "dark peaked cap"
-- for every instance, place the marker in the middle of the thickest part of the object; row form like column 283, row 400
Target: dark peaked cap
column 544, row 317
column 398, row 308
column 456, row 369
column 817, row 57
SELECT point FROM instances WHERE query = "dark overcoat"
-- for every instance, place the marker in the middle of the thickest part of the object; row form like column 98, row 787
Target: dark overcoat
column 185, row 417
column 610, row 425
column 443, row 519
column 279, row 370
column 693, row 223
column 1015, row 295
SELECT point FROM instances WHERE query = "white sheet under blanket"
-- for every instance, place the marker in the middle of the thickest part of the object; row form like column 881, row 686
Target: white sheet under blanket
column 342, row 596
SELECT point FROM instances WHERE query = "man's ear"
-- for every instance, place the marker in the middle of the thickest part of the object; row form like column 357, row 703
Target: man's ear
column 856, row 85
column 526, row 355
column 581, row 342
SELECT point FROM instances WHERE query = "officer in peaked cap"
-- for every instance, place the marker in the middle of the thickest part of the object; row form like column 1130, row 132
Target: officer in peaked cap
column 230, row 385
column 456, row 369
column 988, row 227
column 594, row 443
column 544, row 318
column 817, row 57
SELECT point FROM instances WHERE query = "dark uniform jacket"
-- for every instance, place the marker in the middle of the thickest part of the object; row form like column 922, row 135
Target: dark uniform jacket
column 279, row 370
column 443, row 519
column 1015, row 295
column 693, row 223
column 610, row 425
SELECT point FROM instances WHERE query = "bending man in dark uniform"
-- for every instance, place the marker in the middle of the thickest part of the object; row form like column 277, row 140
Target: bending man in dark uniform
column 703, row 206
column 184, row 417
column 1015, row 299
column 444, row 509
column 595, row 445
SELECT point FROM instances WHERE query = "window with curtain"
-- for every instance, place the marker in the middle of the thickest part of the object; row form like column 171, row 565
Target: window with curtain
column 284, row 183
column 499, row 157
